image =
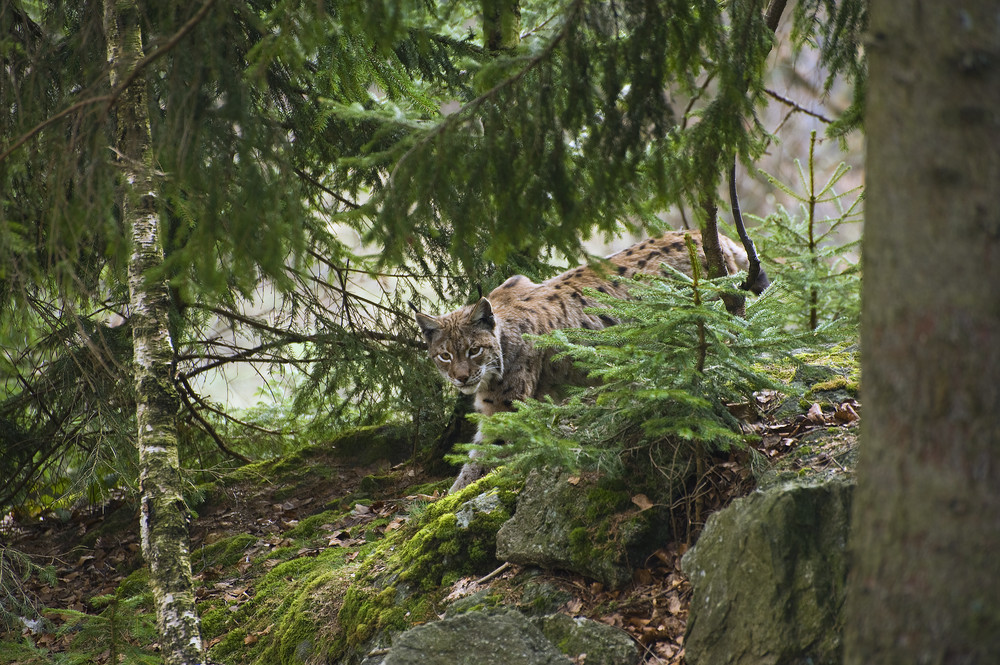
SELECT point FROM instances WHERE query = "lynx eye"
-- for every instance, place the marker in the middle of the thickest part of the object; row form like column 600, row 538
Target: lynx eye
column 444, row 357
column 475, row 351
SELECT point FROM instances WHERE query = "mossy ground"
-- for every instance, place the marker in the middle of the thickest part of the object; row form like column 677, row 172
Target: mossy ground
column 306, row 559
column 406, row 573
column 291, row 570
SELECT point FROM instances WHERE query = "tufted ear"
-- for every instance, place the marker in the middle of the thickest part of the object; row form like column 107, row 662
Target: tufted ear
column 482, row 315
column 429, row 325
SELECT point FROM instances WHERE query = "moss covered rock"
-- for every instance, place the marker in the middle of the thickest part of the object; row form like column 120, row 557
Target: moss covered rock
column 578, row 524
column 588, row 641
column 476, row 638
column 401, row 578
column 769, row 575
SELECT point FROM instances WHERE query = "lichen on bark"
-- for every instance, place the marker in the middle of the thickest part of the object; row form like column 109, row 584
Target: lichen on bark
column 163, row 519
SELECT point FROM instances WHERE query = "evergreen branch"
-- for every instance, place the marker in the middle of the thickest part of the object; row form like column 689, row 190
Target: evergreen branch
column 326, row 190
column 187, row 392
column 710, row 236
column 24, row 138
column 470, row 106
column 344, row 292
column 116, row 92
column 285, row 337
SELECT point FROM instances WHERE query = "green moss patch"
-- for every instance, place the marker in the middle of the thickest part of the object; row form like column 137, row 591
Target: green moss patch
column 444, row 540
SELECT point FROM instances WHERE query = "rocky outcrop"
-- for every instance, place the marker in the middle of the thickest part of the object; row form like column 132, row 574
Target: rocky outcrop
column 769, row 574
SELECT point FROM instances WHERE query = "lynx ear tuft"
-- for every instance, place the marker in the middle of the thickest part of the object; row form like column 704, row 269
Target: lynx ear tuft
column 482, row 315
column 429, row 325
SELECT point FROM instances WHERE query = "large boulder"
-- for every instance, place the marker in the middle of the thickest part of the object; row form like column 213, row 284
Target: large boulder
column 769, row 575
column 580, row 524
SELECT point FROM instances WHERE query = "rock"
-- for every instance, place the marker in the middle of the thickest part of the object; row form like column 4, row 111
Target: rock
column 485, row 503
column 476, row 638
column 568, row 523
column 769, row 575
column 590, row 642
column 541, row 598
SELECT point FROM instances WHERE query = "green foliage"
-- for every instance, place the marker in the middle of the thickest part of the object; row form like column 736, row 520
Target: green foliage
column 287, row 133
column 66, row 412
column 16, row 605
column 572, row 131
column 818, row 261
column 663, row 379
column 124, row 627
column 838, row 28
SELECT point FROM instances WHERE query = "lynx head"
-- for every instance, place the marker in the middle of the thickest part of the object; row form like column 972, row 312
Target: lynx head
column 464, row 344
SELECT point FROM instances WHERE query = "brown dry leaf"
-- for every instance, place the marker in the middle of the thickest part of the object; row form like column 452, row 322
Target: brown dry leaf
column 815, row 414
column 642, row 501
column 573, row 480
column 642, row 576
column 674, row 604
column 639, row 622
column 846, row 414
column 664, row 650
column 250, row 639
column 395, row 524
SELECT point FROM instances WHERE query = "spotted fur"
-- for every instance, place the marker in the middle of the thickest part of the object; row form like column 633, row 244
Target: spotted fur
column 480, row 348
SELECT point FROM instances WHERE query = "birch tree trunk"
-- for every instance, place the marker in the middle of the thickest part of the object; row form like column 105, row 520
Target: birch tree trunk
column 163, row 513
column 925, row 584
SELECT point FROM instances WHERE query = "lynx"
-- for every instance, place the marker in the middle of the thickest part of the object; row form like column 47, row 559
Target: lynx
column 480, row 349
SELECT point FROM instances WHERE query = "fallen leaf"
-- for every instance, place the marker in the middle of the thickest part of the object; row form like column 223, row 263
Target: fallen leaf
column 815, row 414
column 674, row 604
column 395, row 524
column 845, row 413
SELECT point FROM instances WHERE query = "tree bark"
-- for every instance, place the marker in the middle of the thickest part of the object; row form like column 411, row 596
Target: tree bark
column 925, row 584
column 163, row 513
column 501, row 25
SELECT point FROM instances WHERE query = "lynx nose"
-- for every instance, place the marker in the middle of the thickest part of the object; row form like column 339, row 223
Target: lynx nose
column 462, row 370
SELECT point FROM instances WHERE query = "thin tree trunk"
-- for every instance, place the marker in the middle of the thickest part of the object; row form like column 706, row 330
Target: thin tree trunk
column 501, row 24
column 925, row 584
column 163, row 514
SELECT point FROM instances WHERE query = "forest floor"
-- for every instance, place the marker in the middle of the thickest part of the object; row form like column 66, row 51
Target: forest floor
column 93, row 551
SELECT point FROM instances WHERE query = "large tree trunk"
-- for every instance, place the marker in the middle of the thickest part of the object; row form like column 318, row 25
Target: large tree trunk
column 163, row 515
column 925, row 586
